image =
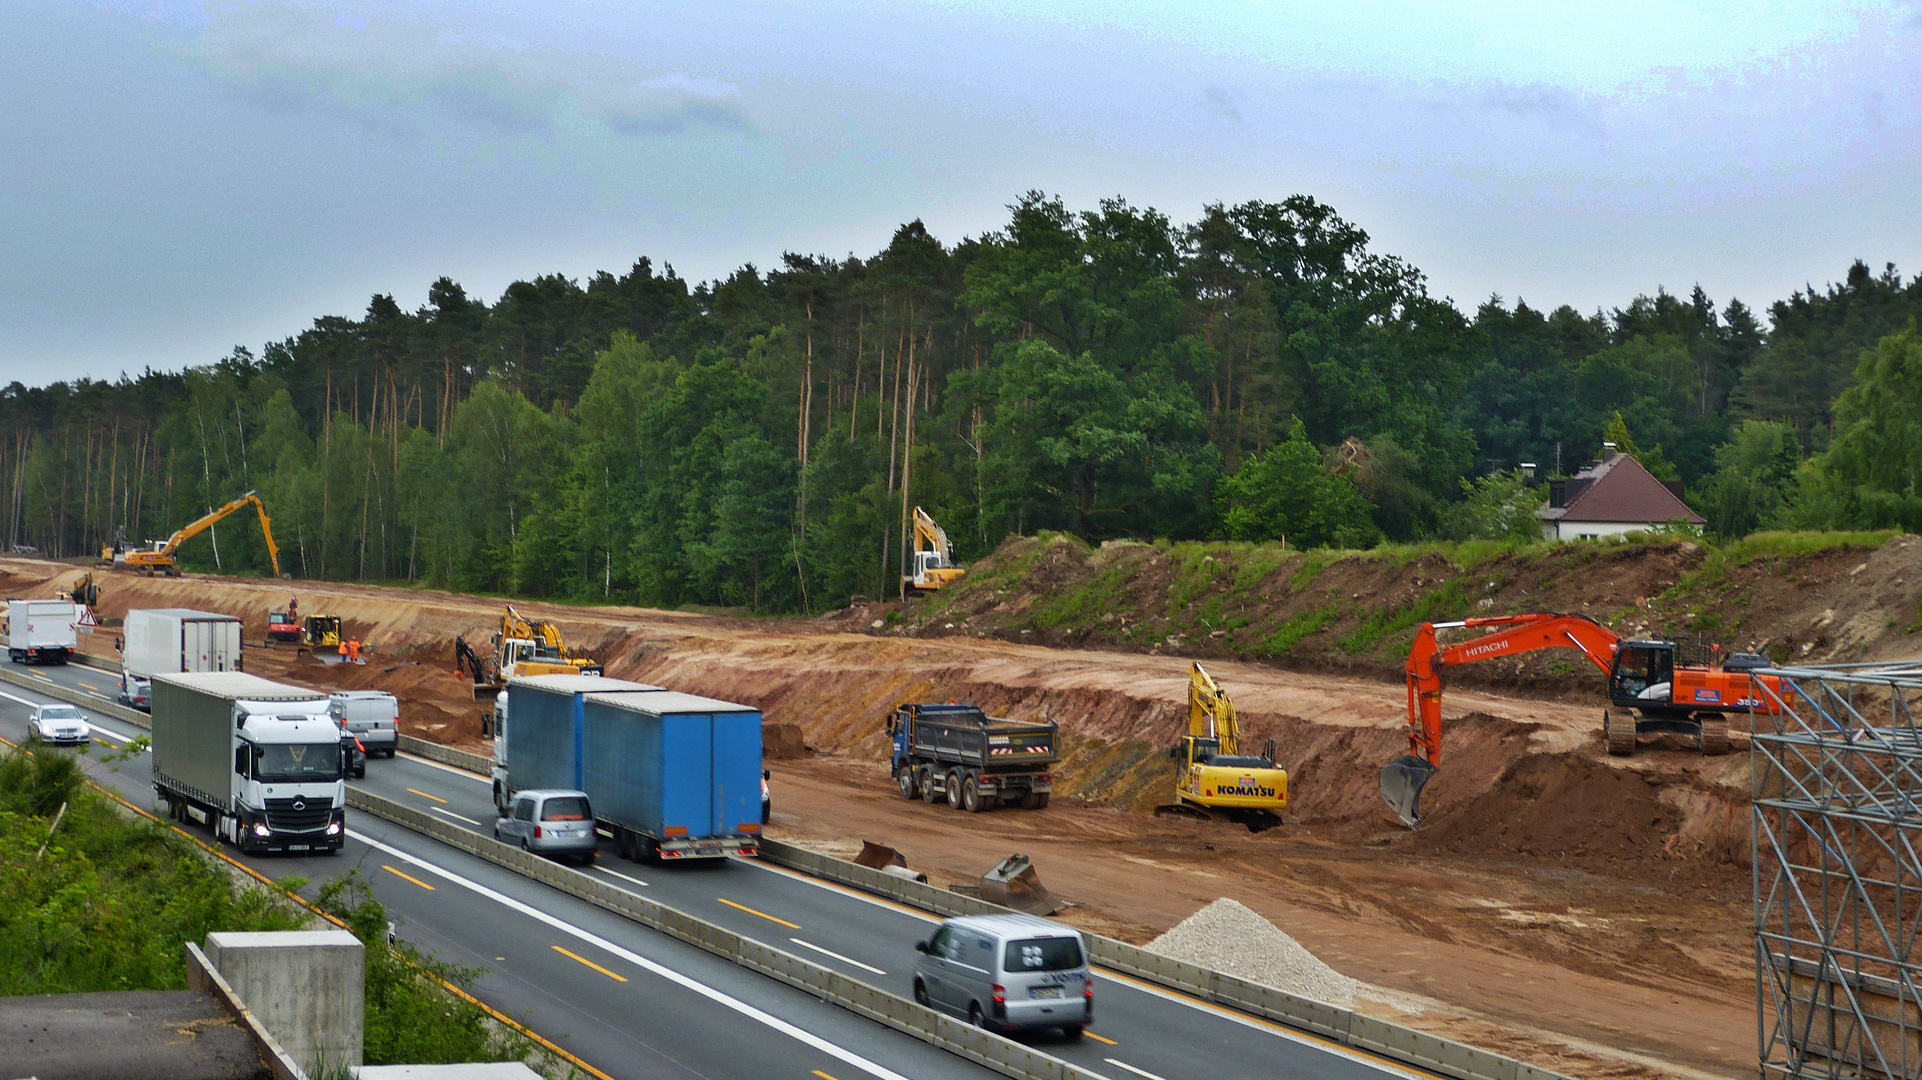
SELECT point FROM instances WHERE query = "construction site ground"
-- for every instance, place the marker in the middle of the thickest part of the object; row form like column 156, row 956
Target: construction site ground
column 1586, row 913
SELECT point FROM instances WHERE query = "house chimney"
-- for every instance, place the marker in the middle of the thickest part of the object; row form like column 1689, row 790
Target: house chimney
column 1608, row 450
column 1528, row 470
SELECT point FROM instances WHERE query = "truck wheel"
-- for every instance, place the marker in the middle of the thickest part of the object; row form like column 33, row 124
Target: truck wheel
column 954, row 789
column 926, row 778
column 971, row 799
column 1035, row 800
column 906, row 779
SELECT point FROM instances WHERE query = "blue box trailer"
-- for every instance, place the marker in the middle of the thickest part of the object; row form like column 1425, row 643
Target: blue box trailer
column 670, row 775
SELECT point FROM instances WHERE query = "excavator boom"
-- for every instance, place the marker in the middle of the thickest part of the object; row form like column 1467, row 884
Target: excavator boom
column 162, row 556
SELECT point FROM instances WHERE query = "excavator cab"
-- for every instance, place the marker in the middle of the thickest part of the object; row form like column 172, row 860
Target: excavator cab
column 1644, row 674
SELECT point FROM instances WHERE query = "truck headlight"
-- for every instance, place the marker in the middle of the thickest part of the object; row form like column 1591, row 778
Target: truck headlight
column 333, row 828
column 261, row 829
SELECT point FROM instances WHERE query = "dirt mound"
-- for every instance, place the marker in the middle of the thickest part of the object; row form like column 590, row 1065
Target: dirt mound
column 782, row 742
column 1228, row 937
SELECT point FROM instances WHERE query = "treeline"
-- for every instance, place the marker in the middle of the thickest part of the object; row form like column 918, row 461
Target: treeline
column 759, row 441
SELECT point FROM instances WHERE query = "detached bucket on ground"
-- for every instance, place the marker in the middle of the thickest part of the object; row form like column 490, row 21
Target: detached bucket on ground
column 1013, row 883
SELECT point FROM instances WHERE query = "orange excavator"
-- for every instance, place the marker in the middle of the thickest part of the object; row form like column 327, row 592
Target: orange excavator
column 1648, row 691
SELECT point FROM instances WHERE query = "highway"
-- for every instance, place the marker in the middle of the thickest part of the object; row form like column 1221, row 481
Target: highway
column 633, row 1002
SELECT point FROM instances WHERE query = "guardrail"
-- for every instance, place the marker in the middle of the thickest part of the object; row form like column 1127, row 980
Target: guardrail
column 1343, row 1026
column 1005, row 1056
column 77, row 697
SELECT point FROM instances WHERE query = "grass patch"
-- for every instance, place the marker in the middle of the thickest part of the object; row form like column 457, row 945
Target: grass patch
column 1196, row 571
column 1311, row 566
column 1084, row 604
column 1308, row 622
column 1447, row 600
column 1792, row 544
column 1255, row 563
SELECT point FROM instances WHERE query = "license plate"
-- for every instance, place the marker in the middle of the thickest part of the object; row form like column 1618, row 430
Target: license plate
column 1044, row 991
column 304, row 847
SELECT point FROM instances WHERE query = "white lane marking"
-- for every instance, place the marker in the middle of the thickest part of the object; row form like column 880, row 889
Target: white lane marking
column 21, row 700
column 451, row 814
column 1146, row 988
column 92, row 722
column 799, row 1035
column 442, row 765
column 598, row 831
column 836, row 955
column 1119, row 1064
column 622, row 876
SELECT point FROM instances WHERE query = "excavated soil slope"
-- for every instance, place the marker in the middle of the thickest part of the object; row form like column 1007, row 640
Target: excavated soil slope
column 1583, row 911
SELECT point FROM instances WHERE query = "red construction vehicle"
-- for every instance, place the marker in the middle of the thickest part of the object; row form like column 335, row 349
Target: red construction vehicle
column 1648, row 691
column 284, row 625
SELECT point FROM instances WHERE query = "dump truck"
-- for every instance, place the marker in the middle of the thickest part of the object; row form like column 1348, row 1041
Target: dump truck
column 156, row 640
column 42, row 631
column 671, row 776
column 974, row 761
column 258, row 763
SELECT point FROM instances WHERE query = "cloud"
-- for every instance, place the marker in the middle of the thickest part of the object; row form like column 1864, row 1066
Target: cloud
column 677, row 120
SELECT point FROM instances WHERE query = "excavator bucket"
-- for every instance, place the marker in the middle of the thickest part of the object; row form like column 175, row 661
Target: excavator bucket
column 879, row 856
column 1401, row 784
column 1013, row 883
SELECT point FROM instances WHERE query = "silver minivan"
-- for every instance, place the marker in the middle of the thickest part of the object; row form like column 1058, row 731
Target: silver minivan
column 557, row 822
column 370, row 715
column 1007, row 973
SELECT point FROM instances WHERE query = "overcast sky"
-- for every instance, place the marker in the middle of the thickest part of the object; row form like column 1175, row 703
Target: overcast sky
column 177, row 178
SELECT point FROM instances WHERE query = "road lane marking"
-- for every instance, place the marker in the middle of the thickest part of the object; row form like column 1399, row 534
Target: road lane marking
column 837, row 956
column 687, row 982
column 590, row 963
column 830, row 886
column 21, row 700
column 89, row 686
column 451, row 814
column 464, row 774
column 424, row 795
column 1119, row 1064
column 762, row 914
column 408, row 877
column 819, row 1073
column 622, row 876
column 598, row 831
column 1098, row 1038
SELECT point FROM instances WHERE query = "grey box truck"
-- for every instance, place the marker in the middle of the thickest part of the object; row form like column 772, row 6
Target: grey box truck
column 258, row 762
column 174, row 639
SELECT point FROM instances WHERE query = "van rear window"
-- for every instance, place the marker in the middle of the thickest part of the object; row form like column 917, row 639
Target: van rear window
column 1043, row 954
column 566, row 808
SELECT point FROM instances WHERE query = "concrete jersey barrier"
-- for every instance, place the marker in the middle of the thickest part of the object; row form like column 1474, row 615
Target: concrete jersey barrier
column 1005, row 1056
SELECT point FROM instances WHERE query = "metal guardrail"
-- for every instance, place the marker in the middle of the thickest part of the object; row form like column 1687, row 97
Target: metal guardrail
column 1005, row 1056
column 1343, row 1026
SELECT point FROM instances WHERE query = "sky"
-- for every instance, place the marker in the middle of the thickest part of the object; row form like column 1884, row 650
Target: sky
column 178, row 178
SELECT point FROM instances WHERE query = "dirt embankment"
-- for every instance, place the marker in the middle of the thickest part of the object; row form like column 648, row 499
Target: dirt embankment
column 1557, row 903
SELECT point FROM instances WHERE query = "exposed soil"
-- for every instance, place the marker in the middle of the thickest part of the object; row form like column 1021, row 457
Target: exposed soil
column 1585, row 912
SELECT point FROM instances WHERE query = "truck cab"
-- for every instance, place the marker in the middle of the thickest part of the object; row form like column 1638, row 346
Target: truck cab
column 288, row 788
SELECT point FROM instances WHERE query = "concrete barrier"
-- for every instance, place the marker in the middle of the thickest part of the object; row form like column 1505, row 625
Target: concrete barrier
column 308, row 987
column 77, row 697
column 447, row 755
column 1005, row 1056
column 202, row 975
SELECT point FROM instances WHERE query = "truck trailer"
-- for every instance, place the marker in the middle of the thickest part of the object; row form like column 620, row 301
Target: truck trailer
column 159, row 640
column 42, row 631
column 972, row 760
column 672, row 776
column 259, row 763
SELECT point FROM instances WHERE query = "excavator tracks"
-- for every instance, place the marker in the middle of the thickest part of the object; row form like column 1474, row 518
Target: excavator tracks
column 1618, row 731
column 1714, row 737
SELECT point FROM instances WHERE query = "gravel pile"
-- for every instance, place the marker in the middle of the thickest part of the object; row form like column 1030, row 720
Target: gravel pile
column 1232, row 939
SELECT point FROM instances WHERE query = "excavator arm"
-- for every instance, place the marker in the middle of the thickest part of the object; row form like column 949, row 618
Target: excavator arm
column 1403, row 779
column 1211, row 714
column 929, row 536
column 190, row 531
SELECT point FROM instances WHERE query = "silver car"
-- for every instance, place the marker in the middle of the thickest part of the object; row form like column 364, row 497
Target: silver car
column 1007, row 973
column 61, row 724
column 550, row 822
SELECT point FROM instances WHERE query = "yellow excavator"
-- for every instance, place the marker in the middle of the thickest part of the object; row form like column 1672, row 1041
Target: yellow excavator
column 1216, row 782
column 933, row 562
column 522, row 646
column 158, row 556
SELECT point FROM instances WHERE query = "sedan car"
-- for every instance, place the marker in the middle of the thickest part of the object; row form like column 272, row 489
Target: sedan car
column 555, row 822
column 59, row 724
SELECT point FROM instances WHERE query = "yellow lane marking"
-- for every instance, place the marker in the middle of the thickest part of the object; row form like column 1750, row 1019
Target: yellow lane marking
column 590, row 963
column 1099, row 1039
column 424, row 795
column 89, row 686
column 762, row 914
column 408, row 877
column 822, row 1075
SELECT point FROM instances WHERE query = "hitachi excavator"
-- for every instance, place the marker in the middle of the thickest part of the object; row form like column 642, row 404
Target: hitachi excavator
column 1648, row 691
column 1217, row 782
column 522, row 646
column 932, row 560
column 159, row 554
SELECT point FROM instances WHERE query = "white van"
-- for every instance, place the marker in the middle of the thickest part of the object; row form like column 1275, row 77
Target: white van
column 1007, row 973
column 372, row 715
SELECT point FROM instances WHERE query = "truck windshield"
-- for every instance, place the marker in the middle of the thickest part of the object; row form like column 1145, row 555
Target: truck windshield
column 1043, row 954
column 297, row 763
column 566, row 808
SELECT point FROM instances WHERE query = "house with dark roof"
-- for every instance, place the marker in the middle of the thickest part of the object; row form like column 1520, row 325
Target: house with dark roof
column 1612, row 497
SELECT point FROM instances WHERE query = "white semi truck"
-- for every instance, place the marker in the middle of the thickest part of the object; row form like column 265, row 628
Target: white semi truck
column 174, row 640
column 257, row 762
column 42, row 631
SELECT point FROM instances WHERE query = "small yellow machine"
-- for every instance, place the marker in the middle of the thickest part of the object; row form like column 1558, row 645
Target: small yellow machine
column 1216, row 782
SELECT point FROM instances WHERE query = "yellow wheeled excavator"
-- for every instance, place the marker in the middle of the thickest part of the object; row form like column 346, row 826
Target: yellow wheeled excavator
column 932, row 561
column 1217, row 782
column 158, row 555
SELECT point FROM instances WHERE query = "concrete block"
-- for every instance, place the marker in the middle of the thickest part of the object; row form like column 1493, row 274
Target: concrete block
column 307, row 987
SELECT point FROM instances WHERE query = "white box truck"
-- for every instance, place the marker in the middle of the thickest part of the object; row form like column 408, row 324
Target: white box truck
column 42, row 631
column 174, row 640
column 258, row 762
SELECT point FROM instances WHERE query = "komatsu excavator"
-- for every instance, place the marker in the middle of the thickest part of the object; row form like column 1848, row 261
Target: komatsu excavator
column 1648, row 691
column 1216, row 781
column 933, row 559
column 158, row 555
column 523, row 646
